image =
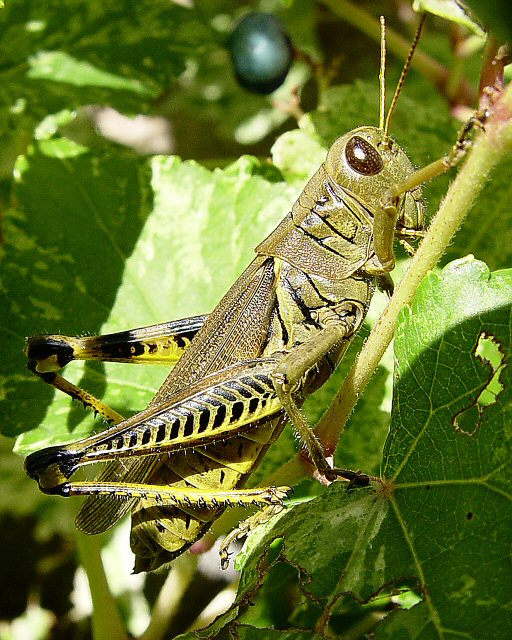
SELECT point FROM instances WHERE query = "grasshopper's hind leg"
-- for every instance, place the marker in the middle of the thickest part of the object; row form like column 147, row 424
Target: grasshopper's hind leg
column 86, row 399
column 156, row 344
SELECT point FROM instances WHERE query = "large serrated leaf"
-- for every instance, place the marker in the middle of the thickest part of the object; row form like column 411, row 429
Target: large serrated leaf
column 440, row 520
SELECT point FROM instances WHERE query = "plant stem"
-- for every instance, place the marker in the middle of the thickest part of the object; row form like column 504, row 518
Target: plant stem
column 487, row 149
column 169, row 598
column 106, row 620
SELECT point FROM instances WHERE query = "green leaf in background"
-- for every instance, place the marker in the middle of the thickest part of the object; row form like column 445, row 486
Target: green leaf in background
column 439, row 523
column 78, row 214
column 61, row 67
column 452, row 10
column 69, row 53
column 74, row 250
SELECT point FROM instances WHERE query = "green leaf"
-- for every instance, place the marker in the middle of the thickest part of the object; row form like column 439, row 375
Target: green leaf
column 449, row 451
column 61, row 67
column 78, row 214
column 94, row 229
column 440, row 520
column 450, row 10
column 66, row 54
column 298, row 154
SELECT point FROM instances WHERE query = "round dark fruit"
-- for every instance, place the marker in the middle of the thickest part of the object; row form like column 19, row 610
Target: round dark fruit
column 261, row 52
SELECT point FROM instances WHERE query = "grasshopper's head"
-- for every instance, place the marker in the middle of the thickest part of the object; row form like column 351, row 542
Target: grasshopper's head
column 371, row 164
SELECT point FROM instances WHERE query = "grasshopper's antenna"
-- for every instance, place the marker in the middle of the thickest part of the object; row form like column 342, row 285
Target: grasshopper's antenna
column 403, row 75
column 382, row 73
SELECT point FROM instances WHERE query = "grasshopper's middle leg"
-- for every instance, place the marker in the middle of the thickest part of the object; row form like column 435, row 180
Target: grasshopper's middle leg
column 339, row 326
column 156, row 344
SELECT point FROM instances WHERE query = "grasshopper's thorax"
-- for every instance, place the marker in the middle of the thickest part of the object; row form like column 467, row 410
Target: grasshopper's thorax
column 369, row 164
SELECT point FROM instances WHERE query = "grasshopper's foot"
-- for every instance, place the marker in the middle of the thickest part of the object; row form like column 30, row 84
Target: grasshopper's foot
column 250, row 523
column 355, row 478
column 225, row 554
column 278, row 494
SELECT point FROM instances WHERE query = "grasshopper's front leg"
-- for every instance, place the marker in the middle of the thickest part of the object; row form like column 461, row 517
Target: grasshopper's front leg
column 162, row 343
column 387, row 214
column 339, row 325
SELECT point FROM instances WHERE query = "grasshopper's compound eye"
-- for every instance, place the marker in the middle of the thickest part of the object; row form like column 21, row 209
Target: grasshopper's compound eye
column 363, row 157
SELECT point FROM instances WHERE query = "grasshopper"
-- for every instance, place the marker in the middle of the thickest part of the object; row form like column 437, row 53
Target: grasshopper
column 242, row 372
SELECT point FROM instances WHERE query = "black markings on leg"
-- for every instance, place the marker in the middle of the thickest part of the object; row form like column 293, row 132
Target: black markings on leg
column 237, row 410
column 204, row 420
column 220, row 416
column 189, row 425
column 160, row 435
column 175, row 429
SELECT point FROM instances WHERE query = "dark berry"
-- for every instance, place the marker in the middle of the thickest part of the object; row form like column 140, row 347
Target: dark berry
column 261, row 52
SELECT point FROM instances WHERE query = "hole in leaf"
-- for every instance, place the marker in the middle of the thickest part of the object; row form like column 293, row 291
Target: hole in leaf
column 488, row 350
